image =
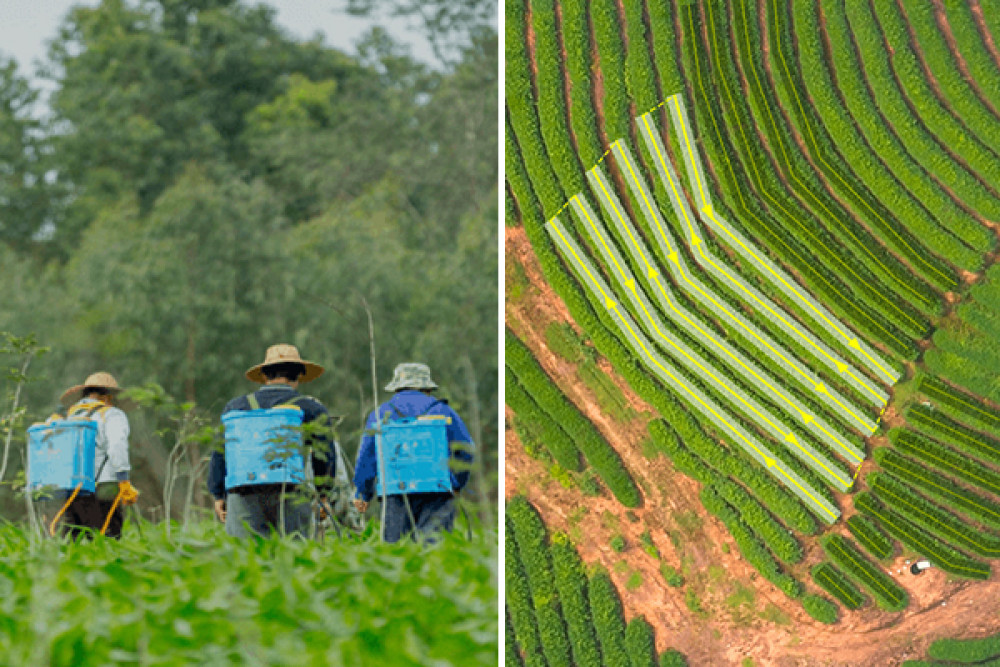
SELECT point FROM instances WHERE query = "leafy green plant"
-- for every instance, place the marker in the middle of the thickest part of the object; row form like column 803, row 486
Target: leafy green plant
column 869, row 536
column 820, row 608
column 640, row 642
column 618, row 543
column 887, row 593
column 833, row 581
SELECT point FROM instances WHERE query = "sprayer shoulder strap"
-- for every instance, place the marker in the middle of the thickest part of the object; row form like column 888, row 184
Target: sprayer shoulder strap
column 292, row 402
column 399, row 414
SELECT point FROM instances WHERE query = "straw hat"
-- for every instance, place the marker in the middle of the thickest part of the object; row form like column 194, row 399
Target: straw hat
column 99, row 380
column 411, row 376
column 284, row 354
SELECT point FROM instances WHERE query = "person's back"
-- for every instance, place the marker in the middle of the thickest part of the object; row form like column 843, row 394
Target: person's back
column 423, row 513
column 261, row 506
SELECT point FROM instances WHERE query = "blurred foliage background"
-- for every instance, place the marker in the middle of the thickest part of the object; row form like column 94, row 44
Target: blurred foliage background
column 201, row 185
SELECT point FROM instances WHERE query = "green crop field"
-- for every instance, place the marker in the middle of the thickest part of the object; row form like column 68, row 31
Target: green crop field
column 765, row 225
column 201, row 598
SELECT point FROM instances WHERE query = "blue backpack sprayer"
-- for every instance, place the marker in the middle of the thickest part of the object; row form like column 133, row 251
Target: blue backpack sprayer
column 264, row 446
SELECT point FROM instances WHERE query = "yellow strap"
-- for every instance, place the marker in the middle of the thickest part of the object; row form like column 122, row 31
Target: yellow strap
column 107, row 521
column 52, row 526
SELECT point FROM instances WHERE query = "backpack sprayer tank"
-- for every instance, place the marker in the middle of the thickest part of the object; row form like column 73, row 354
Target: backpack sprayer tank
column 415, row 456
column 264, row 446
column 61, row 454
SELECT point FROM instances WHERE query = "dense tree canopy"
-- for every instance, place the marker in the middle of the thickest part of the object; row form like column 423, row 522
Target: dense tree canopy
column 206, row 185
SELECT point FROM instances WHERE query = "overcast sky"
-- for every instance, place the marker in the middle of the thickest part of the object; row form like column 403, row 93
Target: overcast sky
column 26, row 26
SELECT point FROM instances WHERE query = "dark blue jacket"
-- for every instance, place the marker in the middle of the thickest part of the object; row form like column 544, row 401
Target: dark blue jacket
column 410, row 403
column 268, row 397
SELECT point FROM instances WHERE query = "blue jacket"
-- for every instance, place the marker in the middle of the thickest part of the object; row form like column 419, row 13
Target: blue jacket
column 410, row 403
column 268, row 397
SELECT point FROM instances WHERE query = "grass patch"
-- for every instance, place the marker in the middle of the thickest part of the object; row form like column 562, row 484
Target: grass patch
column 563, row 341
column 670, row 574
column 606, row 392
column 634, row 581
column 773, row 614
column 689, row 523
column 609, row 520
column 646, row 540
column 693, row 603
column 649, row 449
column 621, row 567
column 716, row 573
column 741, row 604
column 618, row 543
column 589, row 483
column 516, row 280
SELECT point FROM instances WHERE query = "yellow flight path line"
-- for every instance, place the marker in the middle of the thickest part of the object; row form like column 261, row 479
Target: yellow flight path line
column 847, row 553
column 952, row 493
column 695, row 325
column 941, row 524
column 961, row 399
column 829, row 580
column 701, row 85
column 950, row 429
column 746, row 35
column 709, row 210
column 794, row 174
column 946, row 464
column 788, row 435
column 769, row 461
column 623, row 158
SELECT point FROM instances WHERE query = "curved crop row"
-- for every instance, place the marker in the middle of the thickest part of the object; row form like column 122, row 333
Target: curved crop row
column 571, row 583
column 947, row 127
column 805, row 191
column 752, row 549
column 529, row 531
column 877, row 155
column 966, row 404
column 553, row 437
column 940, row 59
column 935, row 519
column 820, row 608
column 595, row 448
column 933, row 422
column 833, row 581
column 891, row 103
column 639, row 76
column 939, row 486
column 524, row 121
column 609, row 620
column 640, row 642
column 749, row 50
column 511, row 651
column 939, row 553
column 781, row 542
column 608, row 38
column 887, row 593
column 519, row 606
column 773, row 227
column 973, row 49
column 942, row 458
column 869, row 535
column 576, row 42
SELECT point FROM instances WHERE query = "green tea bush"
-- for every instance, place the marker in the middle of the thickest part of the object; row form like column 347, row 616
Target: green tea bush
column 532, row 545
column 820, row 608
column 887, row 593
column 972, row 48
column 518, row 599
column 512, row 654
column 970, row 407
column 559, row 444
column 869, row 535
column 941, row 458
column 833, row 581
column 966, row 651
column 673, row 658
column 571, row 583
column 576, row 43
column 609, row 620
column 640, row 643
column 951, row 432
column 608, row 38
column 203, row 598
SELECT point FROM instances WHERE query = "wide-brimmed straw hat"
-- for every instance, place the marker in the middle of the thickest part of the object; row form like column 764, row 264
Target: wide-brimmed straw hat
column 101, row 380
column 411, row 376
column 284, row 354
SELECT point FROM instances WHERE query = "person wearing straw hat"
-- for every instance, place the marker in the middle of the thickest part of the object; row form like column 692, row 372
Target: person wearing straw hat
column 95, row 400
column 422, row 514
column 260, row 507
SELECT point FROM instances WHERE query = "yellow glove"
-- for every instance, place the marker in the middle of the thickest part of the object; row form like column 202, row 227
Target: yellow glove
column 129, row 494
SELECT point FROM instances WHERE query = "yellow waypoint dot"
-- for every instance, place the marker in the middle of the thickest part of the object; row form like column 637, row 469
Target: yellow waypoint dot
column 841, row 367
column 707, row 208
column 820, row 388
column 672, row 257
column 807, row 418
column 854, row 344
column 791, row 437
column 770, row 462
column 695, row 240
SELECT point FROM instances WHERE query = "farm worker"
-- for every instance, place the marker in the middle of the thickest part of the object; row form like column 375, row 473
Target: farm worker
column 261, row 505
column 426, row 513
column 95, row 400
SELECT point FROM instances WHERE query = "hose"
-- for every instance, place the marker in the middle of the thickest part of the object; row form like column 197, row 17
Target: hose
column 52, row 526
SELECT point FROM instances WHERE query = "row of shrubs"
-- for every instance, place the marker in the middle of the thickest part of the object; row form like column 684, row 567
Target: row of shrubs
column 951, row 133
column 941, row 554
column 751, row 51
column 869, row 535
column 938, row 521
column 519, row 606
column 947, row 460
column 877, row 157
column 892, row 105
column 937, row 485
column 555, row 439
column 970, row 407
column 579, row 66
column 948, row 430
column 833, row 581
column 611, row 49
column 571, row 583
column 972, row 48
column 826, row 277
column 887, row 593
column 966, row 651
column 831, row 229
column 600, row 455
